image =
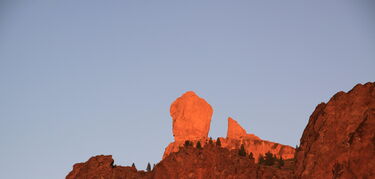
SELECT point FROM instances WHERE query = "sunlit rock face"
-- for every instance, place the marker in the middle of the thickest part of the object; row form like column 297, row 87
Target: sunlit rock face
column 191, row 116
column 339, row 140
column 191, row 119
column 235, row 131
column 237, row 136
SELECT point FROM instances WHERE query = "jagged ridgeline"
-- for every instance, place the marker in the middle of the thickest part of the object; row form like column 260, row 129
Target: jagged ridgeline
column 338, row 142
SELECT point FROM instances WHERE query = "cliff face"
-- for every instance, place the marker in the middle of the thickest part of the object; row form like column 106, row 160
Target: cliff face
column 191, row 117
column 338, row 142
column 339, row 139
column 235, row 130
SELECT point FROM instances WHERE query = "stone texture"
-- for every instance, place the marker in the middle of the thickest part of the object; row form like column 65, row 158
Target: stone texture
column 190, row 162
column 191, row 116
column 101, row 167
column 215, row 162
column 338, row 142
column 235, row 131
column 236, row 136
column 259, row 147
column 339, row 139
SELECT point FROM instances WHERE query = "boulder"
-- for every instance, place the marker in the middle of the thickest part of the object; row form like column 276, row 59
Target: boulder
column 191, row 116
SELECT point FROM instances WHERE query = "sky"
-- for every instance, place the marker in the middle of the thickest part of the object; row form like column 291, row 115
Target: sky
column 89, row 77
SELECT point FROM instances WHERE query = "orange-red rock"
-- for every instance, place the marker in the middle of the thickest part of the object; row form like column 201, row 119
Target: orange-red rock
column 211, row 162
column 101, row 167
column 237, row 136
column 339, row 140
column 235, row 131
column 191, row 116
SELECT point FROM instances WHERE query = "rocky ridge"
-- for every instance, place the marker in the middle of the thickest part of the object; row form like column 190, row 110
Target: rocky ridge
column 338, row 142
column 192, row 113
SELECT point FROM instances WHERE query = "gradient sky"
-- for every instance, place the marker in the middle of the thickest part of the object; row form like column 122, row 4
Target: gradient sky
column 82, row 78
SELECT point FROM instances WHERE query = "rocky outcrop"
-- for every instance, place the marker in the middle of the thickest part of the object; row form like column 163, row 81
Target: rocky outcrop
column 259, row 147
column 339, row 140
column 235, row 131
column 191, row 116
column 215, row 162
column 102, row 167
column 237, row 136
column 189, row 162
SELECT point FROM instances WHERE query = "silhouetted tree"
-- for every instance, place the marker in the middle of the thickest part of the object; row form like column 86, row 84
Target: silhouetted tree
column 188, row 143
column 199, row 146
column 242, row 151
column 269, row 159
column 251, row 156
column 261, row 159
column 133, row 165
column 218, row 142
column 210, row 141
column 281, row 161
column 148, row 167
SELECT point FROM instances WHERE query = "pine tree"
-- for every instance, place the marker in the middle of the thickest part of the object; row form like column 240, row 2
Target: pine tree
column 269, row 159
column 148, row 169
column 218, row 142
column 261, row 159
column 251, row 156
column 210, row 141
column 242, row 151
column 187, row 143
column 281, row 161
column 199, row 146
column 133, row 165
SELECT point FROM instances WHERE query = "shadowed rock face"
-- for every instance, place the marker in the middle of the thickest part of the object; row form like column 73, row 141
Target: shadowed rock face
column 214, row 162
column 339, row 139
column 191, row 116
column 189, row 162
column 101, row 167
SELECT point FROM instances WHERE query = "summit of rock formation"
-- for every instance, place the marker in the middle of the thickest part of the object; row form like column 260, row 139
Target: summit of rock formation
column 339, row 140
column 235, row 131
column 191, row 116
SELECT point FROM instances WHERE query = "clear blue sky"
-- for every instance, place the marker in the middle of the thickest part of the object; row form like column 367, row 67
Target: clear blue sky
column 82, row 78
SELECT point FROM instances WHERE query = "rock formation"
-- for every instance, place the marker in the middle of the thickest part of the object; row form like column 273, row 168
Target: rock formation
column 191, row 116
column 189, row 108
column 209, row 162
column 102, row 167
column 237, row 136
column 339, row 140
column 215, row 162
column 235, row 131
